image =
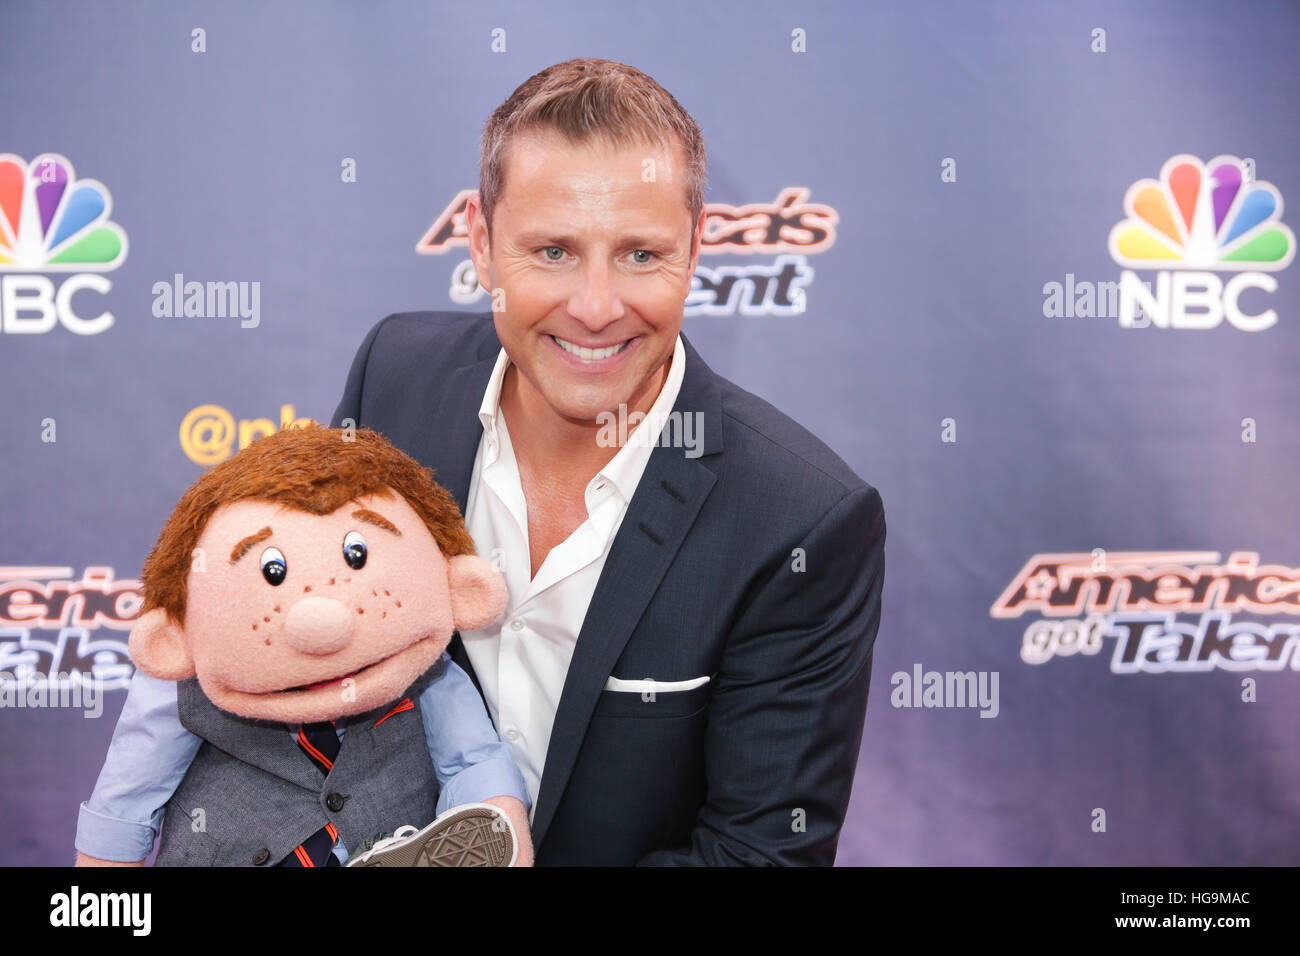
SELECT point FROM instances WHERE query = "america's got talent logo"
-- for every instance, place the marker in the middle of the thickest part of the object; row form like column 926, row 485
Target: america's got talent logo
column 789, row 228
column 60, row 630
column 1164, row 611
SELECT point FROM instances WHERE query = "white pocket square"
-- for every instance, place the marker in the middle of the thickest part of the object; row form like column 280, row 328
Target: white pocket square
column 648, row 686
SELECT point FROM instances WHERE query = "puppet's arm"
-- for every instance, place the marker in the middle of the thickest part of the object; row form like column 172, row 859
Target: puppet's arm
column 471, row 762
column 146, row 762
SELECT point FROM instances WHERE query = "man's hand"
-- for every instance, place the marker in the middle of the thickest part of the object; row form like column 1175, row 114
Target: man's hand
column 83, row 860
column 519, row 820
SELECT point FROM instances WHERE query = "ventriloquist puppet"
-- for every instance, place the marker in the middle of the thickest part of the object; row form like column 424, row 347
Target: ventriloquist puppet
column 302, row 596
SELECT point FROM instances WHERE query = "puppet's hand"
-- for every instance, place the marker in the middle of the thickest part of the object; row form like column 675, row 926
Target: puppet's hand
column 519, row 820
column 83, row 860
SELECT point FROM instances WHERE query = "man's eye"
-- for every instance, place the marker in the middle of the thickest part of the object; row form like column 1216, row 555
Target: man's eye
column 274, row 568
column 549, row 249
column 637, row 255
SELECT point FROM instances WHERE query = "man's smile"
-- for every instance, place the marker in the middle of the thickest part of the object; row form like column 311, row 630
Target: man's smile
column 594, row 359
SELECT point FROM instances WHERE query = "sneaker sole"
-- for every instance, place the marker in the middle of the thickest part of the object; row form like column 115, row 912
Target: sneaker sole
column 474, row 836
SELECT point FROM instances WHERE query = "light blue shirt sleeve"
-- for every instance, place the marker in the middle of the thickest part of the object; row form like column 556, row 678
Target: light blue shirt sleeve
column 151, row 752
column 146, row 762
column 468, row 757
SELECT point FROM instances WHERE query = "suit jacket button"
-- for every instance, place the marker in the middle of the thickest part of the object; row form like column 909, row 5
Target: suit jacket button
column 335, row 802
column 261, row 856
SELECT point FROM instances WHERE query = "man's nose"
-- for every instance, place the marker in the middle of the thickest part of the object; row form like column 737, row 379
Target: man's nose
column 596, row 303
column 317, row 625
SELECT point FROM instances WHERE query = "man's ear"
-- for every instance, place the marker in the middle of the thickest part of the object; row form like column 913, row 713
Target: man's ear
column 478, row 592
column 699, row 238
column 480, row 243
column 158, row 647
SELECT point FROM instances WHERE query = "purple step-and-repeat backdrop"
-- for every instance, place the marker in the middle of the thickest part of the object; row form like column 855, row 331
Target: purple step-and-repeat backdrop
column 1026, row 267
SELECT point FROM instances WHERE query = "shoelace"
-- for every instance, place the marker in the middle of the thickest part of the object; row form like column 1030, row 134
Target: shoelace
column 400, row 834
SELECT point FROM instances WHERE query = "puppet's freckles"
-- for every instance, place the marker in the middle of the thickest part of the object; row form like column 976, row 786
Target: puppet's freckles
column 382, row 600
column 266, row 622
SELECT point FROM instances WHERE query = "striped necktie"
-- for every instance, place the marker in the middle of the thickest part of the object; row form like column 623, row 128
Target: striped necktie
column 320, row 742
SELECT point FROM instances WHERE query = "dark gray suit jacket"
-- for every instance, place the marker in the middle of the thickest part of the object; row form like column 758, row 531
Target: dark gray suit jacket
column 758, row 563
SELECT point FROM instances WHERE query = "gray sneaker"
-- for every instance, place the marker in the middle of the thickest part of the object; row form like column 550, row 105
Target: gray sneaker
column 472, row 834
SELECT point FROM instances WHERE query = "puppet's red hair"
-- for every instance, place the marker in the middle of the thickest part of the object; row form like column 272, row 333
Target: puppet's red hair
column 311, row 468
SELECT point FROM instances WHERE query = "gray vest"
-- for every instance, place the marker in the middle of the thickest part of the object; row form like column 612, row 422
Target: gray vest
column 251, row 794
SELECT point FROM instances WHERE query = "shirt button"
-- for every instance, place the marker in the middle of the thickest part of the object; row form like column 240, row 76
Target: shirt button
column 261, row 856
column 512, row 734
column 517, row 625
column 334, row 802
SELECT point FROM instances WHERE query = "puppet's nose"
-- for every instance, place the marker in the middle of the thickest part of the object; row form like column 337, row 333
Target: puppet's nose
column 318, row 626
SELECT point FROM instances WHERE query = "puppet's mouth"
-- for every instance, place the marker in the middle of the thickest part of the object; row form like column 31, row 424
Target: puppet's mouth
column 325, row 683
column 333, row 681
column 354, row 675
column 349, row 693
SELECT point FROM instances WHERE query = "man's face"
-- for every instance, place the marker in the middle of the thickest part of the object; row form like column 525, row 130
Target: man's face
column 591, row 248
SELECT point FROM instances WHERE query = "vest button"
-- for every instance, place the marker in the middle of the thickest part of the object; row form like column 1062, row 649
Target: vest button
column 261, row 856
column 334, row 802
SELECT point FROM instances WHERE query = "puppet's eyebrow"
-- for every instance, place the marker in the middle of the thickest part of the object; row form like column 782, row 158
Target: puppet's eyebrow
column 241, row 549
column 375, row 518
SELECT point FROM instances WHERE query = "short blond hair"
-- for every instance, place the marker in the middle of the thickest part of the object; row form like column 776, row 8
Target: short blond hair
column 590, row 98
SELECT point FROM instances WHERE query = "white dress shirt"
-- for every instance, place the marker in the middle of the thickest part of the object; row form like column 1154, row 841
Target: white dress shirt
column 521, row 661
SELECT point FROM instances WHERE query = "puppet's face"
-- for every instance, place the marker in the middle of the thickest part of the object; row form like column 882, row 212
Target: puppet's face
column 298, row 617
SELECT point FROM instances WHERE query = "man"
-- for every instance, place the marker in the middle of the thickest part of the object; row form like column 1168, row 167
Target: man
column 681, row 673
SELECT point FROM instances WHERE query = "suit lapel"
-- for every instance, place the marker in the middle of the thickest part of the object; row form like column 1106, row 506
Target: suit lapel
column 450, row 444
column 670, row 494
column 448, row 438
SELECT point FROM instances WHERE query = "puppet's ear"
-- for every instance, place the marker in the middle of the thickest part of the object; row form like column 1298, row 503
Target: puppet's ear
column 478, row 592
column 158, row 647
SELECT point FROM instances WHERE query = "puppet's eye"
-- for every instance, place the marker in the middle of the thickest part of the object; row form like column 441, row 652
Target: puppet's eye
column 274, row 567
column 354, row 550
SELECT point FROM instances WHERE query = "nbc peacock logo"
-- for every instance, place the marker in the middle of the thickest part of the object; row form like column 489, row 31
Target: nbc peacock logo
column 52, row 223
column 1197, row 220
